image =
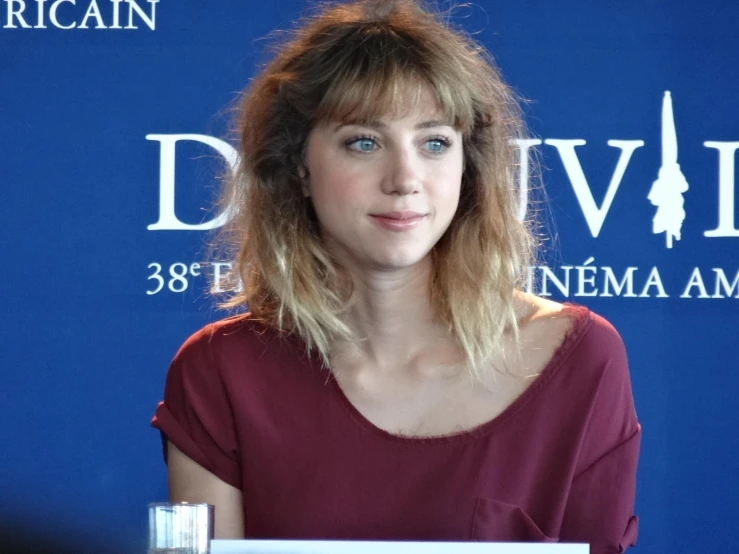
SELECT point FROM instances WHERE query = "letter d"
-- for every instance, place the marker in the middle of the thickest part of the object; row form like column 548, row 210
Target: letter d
column 167, row 219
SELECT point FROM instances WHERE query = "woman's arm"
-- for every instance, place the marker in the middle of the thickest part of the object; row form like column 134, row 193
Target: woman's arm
column 190, row 482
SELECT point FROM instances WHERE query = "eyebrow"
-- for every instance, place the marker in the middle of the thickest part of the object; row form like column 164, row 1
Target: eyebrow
column 382, row 125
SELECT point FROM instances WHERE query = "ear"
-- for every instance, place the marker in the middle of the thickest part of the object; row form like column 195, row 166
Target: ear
column 304, row 181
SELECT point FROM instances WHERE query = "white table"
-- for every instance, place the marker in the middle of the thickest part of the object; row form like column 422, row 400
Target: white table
column 383, row 547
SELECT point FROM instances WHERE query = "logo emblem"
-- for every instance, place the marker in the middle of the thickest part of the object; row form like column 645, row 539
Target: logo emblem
column 667, row 191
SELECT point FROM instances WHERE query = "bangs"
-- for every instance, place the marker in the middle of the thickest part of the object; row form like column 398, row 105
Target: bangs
column 380, row 73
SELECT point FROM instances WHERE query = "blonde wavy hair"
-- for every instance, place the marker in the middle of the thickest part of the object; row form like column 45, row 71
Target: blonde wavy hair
column 354, row 62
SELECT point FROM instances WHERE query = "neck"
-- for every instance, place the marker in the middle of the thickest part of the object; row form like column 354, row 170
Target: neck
column 393, row 318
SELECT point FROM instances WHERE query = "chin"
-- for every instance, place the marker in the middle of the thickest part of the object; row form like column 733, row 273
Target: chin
column 397, row 259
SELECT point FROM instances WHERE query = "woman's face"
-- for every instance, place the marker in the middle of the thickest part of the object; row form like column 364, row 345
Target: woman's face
column 385, row 192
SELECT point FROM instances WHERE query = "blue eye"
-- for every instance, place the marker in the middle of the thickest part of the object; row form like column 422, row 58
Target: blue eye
column 438, row 145
column 367, row 144
column 363, row 144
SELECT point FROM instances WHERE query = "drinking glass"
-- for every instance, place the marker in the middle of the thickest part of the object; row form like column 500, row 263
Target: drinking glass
column 180, row 528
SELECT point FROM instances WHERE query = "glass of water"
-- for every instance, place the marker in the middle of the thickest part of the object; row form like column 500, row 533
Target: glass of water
column 180, row 528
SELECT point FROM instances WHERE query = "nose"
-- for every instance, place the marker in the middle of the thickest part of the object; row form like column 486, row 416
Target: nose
column 403, row 174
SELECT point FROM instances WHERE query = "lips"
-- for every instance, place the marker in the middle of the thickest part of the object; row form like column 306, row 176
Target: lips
column 398, row 220
column 399, row 215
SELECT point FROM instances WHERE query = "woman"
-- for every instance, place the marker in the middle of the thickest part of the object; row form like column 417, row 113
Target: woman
column 392, row 380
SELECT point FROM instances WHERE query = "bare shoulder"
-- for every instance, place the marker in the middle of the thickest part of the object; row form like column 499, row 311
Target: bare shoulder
column 544, row 325
column 541, row 312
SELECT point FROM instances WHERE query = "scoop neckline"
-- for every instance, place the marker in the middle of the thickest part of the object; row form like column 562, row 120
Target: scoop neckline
column 581, row 321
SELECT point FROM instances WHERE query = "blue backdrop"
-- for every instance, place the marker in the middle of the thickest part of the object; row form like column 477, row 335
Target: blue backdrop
column 106, row 111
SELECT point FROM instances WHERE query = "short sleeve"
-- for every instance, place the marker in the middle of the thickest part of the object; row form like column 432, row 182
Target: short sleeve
column 600, row 506
column 196, row 415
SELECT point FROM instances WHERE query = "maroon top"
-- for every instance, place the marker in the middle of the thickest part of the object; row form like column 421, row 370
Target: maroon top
column 559, row 464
